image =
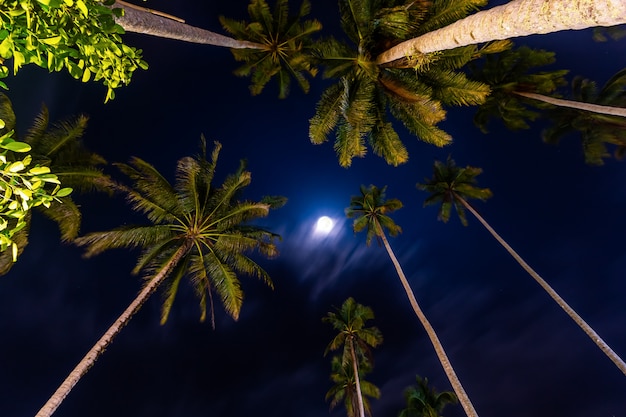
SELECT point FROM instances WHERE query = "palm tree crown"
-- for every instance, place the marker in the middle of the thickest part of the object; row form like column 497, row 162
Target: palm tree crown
column 208, row 222
column 423, row 400
column 371, row 210
column 413, row 91
column 285, row 42
column 452, row 186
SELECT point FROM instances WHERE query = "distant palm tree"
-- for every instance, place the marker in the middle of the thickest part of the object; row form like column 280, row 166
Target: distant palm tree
column 61, row 149
column 415, row 91
column 512, row 76
column 356, row 340
column 196, row 229
column 512, row 82
column 597, row 130
column 344, row 388
column 513, row 19
column 370, row 212
column 286, row 44
column 424, row 401
column 272, row 45
column 452, row 186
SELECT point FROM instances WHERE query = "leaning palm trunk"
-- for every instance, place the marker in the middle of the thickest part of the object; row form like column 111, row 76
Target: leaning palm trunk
column 514, row 19
column 441, row 354
column 141, row 20
column 579, row 105
column 90, row 358
column 555, row 296
column 357, row 380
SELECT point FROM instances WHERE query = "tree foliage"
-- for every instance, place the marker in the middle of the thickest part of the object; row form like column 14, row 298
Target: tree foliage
column 287, row 41
column 210, row 223
column 22, row 188
column 413, row 91
column 449, row 183
column 598, row 132
column 514, row 71
column 423, row 400
column 78, row 35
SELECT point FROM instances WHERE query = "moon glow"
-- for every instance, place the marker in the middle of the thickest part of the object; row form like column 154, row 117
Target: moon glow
column 324, row 225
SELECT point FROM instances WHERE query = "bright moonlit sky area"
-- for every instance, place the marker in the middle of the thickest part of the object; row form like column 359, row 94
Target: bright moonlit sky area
column 515, row 351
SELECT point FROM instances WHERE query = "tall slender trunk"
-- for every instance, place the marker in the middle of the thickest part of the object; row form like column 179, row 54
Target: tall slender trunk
column 139, row 20
column 579, row 105
column 441, row 353
column 357, row 380
column 94, row 353
column 514, row 19
column 555, row 296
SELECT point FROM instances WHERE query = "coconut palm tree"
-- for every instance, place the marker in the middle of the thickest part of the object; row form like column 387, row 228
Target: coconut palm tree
column 412, row 91
column 344, row 388
column 514, row 19
column 60, row 148
column 286, row 42
column 196, row 230
column 597, row 130
column 423, row 400
column 452, row 186
column 272, row 45
column 514, row 87
column 356, row 340
column 370, row 212
column 511, row 76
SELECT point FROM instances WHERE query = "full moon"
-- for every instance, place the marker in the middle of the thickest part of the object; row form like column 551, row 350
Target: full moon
column 324, row 225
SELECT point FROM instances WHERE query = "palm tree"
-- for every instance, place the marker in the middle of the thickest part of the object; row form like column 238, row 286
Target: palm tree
column 514, row 19
column 273, row 44
column 597, row 130
column 453, row 186
column 196, row 230
column 413, row 91
column 344, row 388
column 356, row 339
column 286, row 42
column 61, row 149
column 508, row 76
column 511, row 75
column 424, row 401
column 370, row 211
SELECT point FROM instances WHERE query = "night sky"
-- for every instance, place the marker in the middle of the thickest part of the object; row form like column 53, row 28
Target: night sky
column 515, row 351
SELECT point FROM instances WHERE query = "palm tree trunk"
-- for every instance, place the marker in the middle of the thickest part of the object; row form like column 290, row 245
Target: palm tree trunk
column 579, row 105
column 441, row 353
column 514, row 19
column 139, row 20
column 90, row 358
column 357, row 380
column 555, row 296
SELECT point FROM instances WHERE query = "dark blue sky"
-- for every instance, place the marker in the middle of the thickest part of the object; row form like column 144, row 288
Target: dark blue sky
column 516, row 353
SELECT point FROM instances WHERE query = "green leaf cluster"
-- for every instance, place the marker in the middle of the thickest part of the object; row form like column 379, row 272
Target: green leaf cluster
column 514, row 71
column 78, row 35
column 195, row 229
column 598, row 132
column 22, row 188
column 414, row 90
column 284, row 42
column 452, row 186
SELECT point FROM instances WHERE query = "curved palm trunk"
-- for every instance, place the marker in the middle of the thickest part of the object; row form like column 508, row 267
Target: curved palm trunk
column 441, row 353
column 579, row 105
column 90, row 358
column 555, row 296
column 514, row 19
column 357, row 380
column 140, row 20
